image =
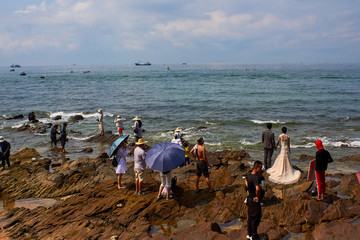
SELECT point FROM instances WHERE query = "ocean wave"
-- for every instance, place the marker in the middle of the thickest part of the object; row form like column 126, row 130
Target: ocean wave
column 214, row 144
column 81, row 138
column 270, row 121
column 66, row 116
column 246, row 143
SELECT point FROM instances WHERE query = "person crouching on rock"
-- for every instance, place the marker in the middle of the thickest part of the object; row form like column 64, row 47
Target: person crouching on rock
column 253, row 180
column 139, row 166
column 63, row 135
column 165, row 182
column 202, row 164
column 120, row 169
column 321, row 162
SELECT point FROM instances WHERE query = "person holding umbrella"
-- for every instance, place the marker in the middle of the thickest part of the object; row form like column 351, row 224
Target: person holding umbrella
column 121, row 154
column 164, row 157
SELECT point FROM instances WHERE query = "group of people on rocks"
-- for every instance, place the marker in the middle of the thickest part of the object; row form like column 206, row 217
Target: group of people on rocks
column 281, row 172
column 198, row 152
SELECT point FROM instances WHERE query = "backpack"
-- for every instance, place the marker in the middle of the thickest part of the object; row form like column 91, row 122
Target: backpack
column 114, row 161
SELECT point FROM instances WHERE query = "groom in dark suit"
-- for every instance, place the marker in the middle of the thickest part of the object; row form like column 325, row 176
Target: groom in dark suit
column 268, row 140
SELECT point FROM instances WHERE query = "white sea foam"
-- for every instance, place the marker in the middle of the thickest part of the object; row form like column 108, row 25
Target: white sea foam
column 247, row 143
column 66, row 116
column 213, row 144
column 211, row 123
column 270, row 121
column 80, row 138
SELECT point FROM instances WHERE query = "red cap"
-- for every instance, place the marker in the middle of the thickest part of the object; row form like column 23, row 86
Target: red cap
column 319, row 145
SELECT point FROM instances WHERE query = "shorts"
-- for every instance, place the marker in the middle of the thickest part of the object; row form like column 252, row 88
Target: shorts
column 166, row 179
column 63, row 140
column 120, row 130
column 53, row 139
column 140, row 175
column 202, row 169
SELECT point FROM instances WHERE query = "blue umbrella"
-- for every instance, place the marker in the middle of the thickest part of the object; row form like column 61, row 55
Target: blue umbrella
column 165, row 156
column 117, row 143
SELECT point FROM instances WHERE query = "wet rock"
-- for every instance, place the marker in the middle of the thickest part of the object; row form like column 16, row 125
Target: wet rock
column 20, row 116
column 307, row 158
column 103, row 155
column 76, row 118
column 87, row 150
column 57, row 117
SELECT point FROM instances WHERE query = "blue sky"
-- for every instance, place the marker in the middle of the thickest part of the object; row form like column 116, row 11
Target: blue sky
column 96, row 32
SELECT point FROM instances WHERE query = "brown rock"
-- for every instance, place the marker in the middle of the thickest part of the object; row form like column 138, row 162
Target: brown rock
column 338, row 230
column 353, row 158
column 344, row 208
column 87, row 150
column 75, row 118
column 304, row 157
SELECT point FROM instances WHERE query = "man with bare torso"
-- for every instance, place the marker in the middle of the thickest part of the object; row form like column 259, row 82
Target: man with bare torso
column 202, row 163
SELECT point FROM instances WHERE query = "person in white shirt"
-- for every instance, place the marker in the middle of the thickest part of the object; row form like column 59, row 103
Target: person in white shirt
column 119, row 122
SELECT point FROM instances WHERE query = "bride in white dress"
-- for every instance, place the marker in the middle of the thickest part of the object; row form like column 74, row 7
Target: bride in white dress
column 282, row 172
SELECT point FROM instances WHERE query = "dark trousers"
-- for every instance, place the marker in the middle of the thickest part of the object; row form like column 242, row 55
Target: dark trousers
column 254, row 217
column 187, row 159
column 5, row 158
column 268, row 152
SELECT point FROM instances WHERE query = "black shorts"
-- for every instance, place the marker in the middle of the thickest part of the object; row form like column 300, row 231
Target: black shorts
column 202, row 169
column 63, row 140
column 53, row 139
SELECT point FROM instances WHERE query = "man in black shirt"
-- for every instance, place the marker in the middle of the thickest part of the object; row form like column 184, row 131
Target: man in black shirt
column 5, row 151
column 321, row 163
column 53, row 132
column 253, row 180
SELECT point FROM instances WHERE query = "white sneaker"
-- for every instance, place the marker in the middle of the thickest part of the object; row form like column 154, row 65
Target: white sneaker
column 248, row 237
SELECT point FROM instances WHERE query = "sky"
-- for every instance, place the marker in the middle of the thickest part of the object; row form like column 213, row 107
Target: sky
column 102, row 32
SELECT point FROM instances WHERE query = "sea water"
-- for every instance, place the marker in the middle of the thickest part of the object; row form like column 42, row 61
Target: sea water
column 228, row 104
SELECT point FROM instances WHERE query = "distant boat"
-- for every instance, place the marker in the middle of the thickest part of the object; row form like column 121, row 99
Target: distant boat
column 23, row 74
column 86, row 71
column 143, row 64
column 15, row 65
column 12, row 70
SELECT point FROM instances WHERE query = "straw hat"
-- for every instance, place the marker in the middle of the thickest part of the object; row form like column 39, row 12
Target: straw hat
column 178, row 129
column 2, row 139
column 140, row 141
column 136, row 118
column 100, row 110
column 118, row 116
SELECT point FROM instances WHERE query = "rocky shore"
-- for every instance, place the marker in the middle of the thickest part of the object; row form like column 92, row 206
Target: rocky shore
column 91, row 207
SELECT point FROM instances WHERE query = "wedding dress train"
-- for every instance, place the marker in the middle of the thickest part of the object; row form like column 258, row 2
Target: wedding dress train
column 282, row 172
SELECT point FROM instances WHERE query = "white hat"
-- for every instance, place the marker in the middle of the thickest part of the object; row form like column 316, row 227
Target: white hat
column 2, row 139
column 178, row 129
column 136, row 118
column 140, row 141
column 100, row 110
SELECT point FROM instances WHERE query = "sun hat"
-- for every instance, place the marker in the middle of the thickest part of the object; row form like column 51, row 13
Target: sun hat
column 100, row 110
column 136, row 118
column 140, row 141
column 118, row 116
column 2, row 139
column 178, row 129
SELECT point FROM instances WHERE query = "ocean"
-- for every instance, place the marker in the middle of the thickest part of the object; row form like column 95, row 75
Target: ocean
column 228, row 104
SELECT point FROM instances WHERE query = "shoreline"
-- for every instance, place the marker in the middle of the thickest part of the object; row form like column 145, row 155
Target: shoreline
column 90, row 184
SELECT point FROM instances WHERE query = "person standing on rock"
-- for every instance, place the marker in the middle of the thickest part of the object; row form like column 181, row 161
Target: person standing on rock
column 268, row 141
column 119, row 122
column 101, row 122
column 5, row 151
column 202, row 164
column 63, row 135
column 139, row 166
column 253, row 180
column 121, row 168
column 138, row 130
column 53, row 132
column 322, row 159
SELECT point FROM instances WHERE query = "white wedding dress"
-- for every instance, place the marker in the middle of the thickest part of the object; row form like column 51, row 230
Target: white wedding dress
column 282, row 172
